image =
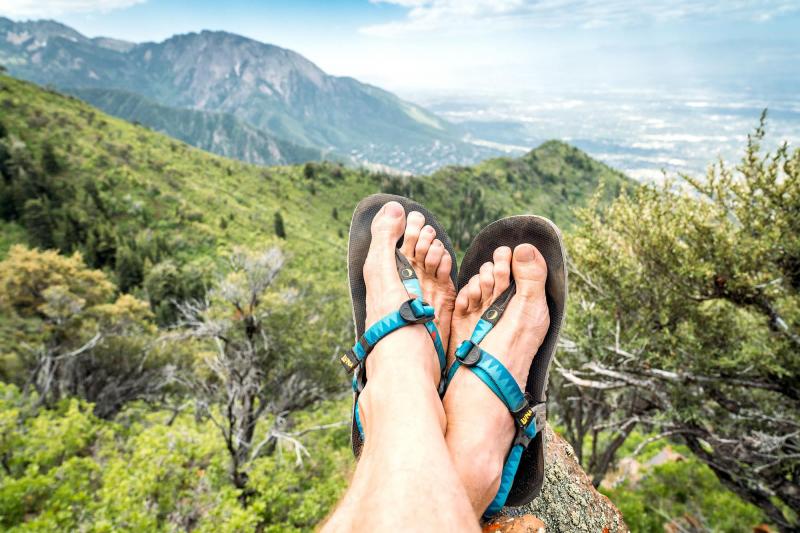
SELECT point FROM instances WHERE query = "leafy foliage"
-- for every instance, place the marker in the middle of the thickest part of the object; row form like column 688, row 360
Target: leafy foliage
column 66, row 470
column 85, row 342
column 679, row 493
column 687, row 319
column 142, row 223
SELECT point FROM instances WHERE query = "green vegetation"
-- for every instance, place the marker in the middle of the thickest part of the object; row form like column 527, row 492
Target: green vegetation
column 686, row 320
column 681, row 491
column 179, row 282
column 113, row 343
column 153, row 470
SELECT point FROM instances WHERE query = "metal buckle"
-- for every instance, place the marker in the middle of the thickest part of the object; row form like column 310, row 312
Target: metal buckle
column 520, row 438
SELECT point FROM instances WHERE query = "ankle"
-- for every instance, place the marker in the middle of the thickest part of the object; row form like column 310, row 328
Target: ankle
column 406, row 354
column 480, row 468
column 391, row 396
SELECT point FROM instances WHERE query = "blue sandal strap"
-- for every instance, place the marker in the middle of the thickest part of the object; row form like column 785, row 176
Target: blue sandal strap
column 413, row 311
column 413, row 288
column 497, row 377
column 488, row 320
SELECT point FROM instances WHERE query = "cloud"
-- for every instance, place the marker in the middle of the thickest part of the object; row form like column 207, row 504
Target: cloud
column 438, row 15
column 53, row 8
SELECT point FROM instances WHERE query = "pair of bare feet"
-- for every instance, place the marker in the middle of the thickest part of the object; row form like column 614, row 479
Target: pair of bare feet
column 477, row 427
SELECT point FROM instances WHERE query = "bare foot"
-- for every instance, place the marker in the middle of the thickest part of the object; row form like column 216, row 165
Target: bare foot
column 408, row 348
column 480, row 429
column 432, row 263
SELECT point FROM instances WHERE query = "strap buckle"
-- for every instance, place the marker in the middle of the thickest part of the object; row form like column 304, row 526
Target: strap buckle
column 349, row 360
column 525, row 415
column 416, row 311
column 530, row 420
column 468, row 353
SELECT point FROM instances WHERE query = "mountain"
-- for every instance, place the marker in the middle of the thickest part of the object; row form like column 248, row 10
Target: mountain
column 270, row 88
column 219, row 133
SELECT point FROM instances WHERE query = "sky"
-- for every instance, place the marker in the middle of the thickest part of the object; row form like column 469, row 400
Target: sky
column 484, row 45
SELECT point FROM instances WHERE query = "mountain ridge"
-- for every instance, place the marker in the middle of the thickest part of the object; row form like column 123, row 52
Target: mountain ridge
column 218, row 133
column 271, row 88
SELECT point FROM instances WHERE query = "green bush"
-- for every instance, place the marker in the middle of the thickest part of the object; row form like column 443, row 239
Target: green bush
column 679, row 490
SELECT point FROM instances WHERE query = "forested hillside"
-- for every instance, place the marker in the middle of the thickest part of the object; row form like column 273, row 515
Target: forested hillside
column 170, row 319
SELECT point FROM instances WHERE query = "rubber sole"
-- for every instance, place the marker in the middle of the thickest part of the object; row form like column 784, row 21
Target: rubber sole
column 546, row 236
column 357, row 249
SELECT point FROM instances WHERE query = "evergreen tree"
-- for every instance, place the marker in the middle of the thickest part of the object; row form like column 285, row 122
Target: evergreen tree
column 50, row 162
column 38, row 220
column 129, row 268
column 280, row 228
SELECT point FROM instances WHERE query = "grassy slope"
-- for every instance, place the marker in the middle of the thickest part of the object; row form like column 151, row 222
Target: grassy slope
column 550, row 181
column 174, row 189
column 185, row 193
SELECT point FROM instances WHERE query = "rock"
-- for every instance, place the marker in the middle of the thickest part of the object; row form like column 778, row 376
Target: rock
column 568, row 502
column 515, row 524
column 667, row 455
column 631, row 471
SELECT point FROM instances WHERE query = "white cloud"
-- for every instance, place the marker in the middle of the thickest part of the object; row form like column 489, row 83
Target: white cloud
column 437, row 15
column 53, row 8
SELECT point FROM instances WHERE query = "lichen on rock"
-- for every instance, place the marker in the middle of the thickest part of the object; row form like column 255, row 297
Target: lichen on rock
column 568, row 502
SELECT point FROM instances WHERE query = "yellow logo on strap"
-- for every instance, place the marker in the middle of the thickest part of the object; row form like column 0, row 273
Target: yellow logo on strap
column 526, row 417
column 346, row 360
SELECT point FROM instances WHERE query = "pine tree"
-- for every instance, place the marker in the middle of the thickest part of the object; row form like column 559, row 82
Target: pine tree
column 50, row 162
column 280, row 228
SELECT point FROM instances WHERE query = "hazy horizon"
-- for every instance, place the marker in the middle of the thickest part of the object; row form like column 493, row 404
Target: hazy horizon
column 508, row 45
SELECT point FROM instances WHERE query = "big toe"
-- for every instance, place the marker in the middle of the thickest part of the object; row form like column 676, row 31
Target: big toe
column 388, row 226
column 529, row 269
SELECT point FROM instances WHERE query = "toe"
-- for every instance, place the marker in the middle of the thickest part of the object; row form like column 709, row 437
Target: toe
column 434, row 257
column 387, row 226
column 462, row 301
column 414, row 223
column 486, row 277
column 445, row 266
column 502, row 270
column 424, row 242
column 530, row 270
column 474, row 292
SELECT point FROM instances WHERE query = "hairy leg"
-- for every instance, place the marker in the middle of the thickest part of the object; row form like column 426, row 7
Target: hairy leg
column 405, row 479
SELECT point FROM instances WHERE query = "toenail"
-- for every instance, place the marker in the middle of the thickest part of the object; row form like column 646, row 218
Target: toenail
column 525, row 253
column 393, row 209
column 429, row 229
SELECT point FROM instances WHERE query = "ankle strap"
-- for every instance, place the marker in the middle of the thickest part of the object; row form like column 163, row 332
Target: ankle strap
column 413, row 311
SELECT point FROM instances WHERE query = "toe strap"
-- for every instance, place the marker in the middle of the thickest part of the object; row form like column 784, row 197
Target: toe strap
column 411, row 282
column 413, row 311
column 529, row 418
